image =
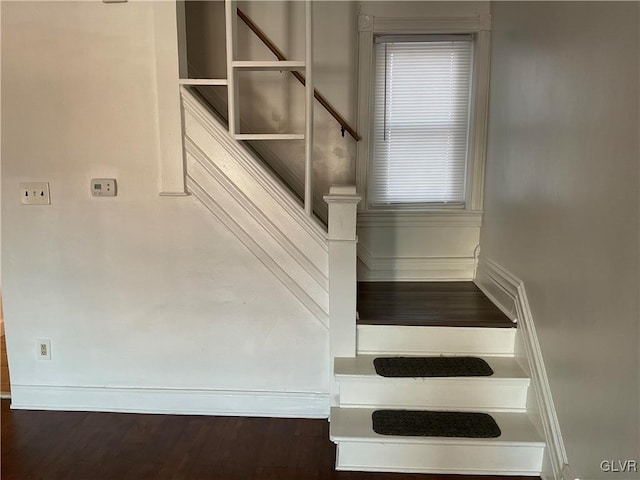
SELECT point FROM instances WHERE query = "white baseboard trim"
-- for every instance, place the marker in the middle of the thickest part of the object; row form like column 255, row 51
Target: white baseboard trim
column 438, row 471
column 408, row 269
column 509, row 294
column 171, row 401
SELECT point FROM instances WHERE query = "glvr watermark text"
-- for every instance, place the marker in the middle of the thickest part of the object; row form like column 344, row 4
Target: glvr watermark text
column 619, row 466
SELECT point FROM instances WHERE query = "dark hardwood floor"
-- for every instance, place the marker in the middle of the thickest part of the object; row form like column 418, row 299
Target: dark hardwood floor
column 113, row 446
column 453, row 304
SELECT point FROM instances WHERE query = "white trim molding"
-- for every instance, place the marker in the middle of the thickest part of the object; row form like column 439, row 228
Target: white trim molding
column 171, row 401
column 383, row 269
column 419, row 26
column 479, row 27
column 343, row 203
column 509, row 294
column 257, row 208
column 257, row 172
column 479, row 119
column 169, row 128
column 291, row 178
column 267, row 259
column 462, row 218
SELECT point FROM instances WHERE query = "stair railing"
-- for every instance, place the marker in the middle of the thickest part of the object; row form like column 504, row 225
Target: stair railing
column 233, row 66
column 344, row 125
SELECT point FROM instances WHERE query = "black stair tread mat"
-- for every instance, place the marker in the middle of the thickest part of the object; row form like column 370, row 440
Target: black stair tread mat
column 432, row 367
column 423, row 423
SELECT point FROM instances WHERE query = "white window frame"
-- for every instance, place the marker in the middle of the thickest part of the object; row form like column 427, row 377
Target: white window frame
column 479, row 27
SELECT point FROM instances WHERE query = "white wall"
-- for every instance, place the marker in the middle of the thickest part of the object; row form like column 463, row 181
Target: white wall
column 561, row 207
column 413, row 9
column 139, row 291
column 1, row 315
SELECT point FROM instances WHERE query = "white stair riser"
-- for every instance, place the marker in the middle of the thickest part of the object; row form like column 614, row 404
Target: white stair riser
column 440, row 458
column 383, row 339
column 456, row 394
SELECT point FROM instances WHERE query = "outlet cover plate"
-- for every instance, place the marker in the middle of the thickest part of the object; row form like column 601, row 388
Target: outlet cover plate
column 34, row 193
column 44, row 349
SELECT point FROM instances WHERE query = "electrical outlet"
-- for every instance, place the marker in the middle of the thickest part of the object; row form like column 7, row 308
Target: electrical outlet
column 44, row 349
column 34, row 193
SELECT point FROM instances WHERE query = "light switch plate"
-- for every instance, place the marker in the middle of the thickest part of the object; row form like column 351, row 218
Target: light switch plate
column 103, row 187
column 34, row 193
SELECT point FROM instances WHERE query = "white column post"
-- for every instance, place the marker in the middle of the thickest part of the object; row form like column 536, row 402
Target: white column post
column 168, row 97
column 231, row 23
column 343, row 206
column 343, row 203
column 308, row 134
column 183, row 62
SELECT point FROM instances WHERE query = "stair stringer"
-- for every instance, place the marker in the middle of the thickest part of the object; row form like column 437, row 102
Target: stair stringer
column 282, row 168
column 234, row 185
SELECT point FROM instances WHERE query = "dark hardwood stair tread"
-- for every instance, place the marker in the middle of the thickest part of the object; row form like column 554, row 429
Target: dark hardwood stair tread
column 451, row 304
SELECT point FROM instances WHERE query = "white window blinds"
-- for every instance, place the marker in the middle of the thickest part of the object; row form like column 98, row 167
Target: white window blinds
column 421, row 120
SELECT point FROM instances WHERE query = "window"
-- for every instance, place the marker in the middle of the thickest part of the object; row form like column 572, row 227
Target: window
column 420, row 124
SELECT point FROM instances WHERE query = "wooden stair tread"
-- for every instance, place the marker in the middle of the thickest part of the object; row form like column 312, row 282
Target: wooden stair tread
column 355, row 425
column 455, row 304
column 361, row 366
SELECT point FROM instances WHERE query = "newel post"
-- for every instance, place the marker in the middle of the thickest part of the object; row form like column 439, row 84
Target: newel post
column 343, row 202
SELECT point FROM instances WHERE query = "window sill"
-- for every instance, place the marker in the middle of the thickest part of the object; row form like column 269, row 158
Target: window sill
column 433, row 218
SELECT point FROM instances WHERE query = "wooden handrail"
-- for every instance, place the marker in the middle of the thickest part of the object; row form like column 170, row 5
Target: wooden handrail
column 280, row 56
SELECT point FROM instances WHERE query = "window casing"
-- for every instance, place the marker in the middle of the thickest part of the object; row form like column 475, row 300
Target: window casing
column 421, row 116
column 370, row 28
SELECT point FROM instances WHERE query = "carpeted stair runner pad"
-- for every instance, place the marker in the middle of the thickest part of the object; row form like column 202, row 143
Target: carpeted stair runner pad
column 432, row 367
column 417, row 423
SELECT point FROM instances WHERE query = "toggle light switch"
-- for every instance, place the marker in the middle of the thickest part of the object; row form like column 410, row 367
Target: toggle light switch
column 34, row 193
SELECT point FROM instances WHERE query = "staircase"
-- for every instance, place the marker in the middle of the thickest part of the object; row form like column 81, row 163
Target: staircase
column 397, row 319
column 318, row 267
column 517, row 451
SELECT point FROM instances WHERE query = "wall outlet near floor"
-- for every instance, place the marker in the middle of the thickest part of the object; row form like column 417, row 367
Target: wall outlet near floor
column 34, row 193
column 44, row 349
